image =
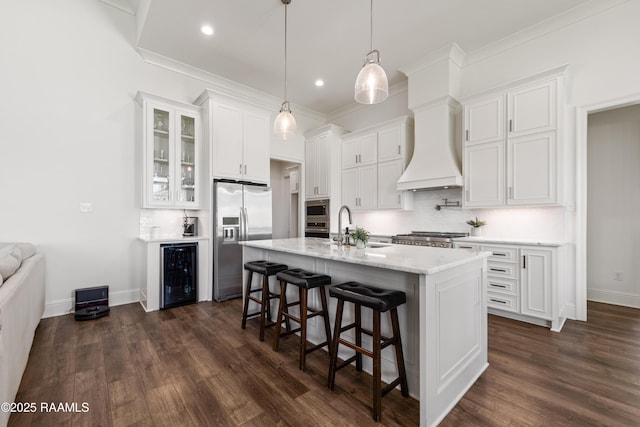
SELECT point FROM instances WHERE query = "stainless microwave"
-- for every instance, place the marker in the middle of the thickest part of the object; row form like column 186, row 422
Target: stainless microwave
column 317, row 218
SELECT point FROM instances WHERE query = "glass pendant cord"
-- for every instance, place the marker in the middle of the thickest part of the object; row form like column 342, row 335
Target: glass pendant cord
column 285, row 125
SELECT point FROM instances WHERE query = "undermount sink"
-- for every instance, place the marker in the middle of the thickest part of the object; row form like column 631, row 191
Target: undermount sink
column 377, row 245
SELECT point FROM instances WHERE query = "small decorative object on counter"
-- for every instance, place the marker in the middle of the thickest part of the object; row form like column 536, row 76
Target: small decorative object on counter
column 347, row 237
column 361, row 236
column 475, row 226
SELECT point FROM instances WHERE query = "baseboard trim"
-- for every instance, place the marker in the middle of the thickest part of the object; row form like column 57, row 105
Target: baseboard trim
column 61, row 307
column 615, row 298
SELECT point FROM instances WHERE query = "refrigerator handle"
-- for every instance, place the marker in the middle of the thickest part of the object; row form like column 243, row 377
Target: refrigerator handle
column 242, row 225
column 246, row 224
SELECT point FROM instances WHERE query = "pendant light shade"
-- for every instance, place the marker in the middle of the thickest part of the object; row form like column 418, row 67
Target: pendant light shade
column 284, row 126
column 371, row 85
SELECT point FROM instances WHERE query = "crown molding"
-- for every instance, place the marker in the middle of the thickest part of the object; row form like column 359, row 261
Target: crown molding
column 224, row 86
column 449, row 52
column 541, row 29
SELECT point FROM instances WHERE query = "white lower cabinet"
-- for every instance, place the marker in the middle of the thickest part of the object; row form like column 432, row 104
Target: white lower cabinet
column 536, row 281
column 523, row 281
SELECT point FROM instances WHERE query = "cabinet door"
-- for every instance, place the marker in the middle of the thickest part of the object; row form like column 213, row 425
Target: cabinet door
column 322, row 167
column 350, row 153
column 350, row 187
column 368, row 187
column 484, row 120
column 160, row 123
column 533, row 109
column 227, row 142
column 310, row 164
column 294, row 182
column 484, row 174
column 536, row 282
column 390, row 143
column 531, row 169
column 368, row 149
column 188, row 152
column 388, row 174
column 255, row 147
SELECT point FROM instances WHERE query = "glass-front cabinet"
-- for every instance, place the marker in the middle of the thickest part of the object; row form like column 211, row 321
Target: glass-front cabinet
column 171, row 153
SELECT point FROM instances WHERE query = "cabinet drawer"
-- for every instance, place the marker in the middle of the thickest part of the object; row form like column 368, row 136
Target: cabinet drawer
column 502, row 286
column 502, row 269
column 469, row 246
column 501, row 253
column 502, row 302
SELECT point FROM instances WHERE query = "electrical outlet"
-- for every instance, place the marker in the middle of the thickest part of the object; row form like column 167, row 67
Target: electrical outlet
column 86, row 207
column 617, row 275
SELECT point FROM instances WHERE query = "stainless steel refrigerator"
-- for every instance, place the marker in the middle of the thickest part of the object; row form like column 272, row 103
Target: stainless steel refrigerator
column 242, row 212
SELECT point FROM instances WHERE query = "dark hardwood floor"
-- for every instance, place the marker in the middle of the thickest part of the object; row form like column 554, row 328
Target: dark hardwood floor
column 194, row 365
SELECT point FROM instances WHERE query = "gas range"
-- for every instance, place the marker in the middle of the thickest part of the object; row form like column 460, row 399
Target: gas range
column 427, row 238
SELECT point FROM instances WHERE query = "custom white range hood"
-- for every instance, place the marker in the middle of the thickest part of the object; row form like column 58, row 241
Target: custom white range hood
column 433, row 84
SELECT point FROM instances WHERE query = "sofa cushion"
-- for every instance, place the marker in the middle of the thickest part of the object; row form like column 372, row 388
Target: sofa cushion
column 26, row 249
column 10, row 259
column 9, row 264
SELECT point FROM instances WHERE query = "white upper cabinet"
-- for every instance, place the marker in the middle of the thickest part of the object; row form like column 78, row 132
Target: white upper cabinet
column 380, row 153
column 484, row 174
column 513, row 145
column 360, row 150
column 533, row 109
column 531, row 169
column 317, row 163
column 238, row 137
column 359, row 187
column 171, row 147
column 484, row 119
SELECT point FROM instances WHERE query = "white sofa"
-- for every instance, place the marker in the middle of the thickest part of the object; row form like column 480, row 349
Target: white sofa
column 22, row 293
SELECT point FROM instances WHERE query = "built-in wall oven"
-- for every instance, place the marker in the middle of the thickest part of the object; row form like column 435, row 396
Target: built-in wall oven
column 317, row 218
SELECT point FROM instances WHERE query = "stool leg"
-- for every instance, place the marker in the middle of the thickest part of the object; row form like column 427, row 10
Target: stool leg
column 263, row 304
column 358, row 316
column 334, row 345
column 282, row 306
column 325, row 316
column 377, row 369
column 303, row 327
column 404, row 388
column 246, row 299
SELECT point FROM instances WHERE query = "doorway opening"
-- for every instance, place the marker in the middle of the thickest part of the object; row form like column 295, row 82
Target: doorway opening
column 287, row 198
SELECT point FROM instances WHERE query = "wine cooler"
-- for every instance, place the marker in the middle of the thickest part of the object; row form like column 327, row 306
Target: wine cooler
column 178, row 274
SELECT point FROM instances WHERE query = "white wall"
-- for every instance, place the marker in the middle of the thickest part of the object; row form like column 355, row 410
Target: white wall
column 614, row 206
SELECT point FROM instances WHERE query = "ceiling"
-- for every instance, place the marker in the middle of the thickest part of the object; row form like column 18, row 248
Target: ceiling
column 327, row 39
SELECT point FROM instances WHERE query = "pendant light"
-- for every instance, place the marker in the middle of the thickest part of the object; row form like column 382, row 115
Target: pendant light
column 284, row 126
column 371, row 84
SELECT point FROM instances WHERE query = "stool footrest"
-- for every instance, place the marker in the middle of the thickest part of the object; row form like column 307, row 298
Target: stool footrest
column 355, row 347
column 347, row 362
column 393, row 384
column 287, row 333
column 316, row 347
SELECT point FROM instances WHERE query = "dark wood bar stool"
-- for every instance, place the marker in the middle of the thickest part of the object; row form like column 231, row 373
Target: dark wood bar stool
column 304, row 280
column 266, row 269
column 379, row 301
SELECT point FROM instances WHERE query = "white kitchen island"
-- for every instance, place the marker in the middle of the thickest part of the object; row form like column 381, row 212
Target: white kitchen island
column 443, row 324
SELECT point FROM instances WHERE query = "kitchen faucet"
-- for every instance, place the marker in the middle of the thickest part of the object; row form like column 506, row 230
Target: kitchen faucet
column 339, row 238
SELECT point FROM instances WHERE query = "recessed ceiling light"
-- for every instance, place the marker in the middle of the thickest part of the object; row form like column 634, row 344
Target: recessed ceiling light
column 319, row 82
column 207, row 29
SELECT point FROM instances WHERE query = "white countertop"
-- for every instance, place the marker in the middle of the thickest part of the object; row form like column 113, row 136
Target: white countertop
column 412, row 259
column 507, row 241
